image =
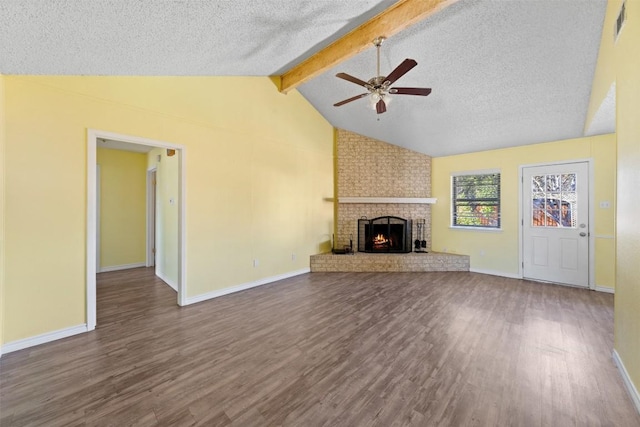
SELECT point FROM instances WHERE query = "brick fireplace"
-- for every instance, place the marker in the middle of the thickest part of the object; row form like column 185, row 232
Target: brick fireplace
column 375, row 179
column 368, row 168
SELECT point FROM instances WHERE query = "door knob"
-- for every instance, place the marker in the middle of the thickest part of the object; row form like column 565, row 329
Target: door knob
column 583, row 234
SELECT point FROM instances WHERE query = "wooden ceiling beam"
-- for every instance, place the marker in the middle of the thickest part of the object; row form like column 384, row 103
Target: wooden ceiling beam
column 396, row 18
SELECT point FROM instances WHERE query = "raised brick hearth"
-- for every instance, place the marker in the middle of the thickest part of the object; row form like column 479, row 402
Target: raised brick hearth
column 366, row 262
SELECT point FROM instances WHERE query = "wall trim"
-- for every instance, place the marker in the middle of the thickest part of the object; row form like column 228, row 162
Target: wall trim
column 495, row 273
column 631, row 388
column 605, row 236
column 121, row 267
column 42, row 338
column 245, row 286
column 173, row 285
column 605, row 289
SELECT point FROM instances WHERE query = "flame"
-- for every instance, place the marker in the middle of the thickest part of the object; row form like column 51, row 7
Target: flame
column 380, row 238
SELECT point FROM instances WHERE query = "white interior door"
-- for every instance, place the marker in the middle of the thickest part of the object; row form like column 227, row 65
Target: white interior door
column 555, row 225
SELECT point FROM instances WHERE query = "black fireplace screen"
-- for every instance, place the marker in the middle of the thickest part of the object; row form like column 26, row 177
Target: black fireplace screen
column 384, row 234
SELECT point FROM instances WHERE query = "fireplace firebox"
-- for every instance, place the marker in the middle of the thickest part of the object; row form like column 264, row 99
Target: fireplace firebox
column 384, row 234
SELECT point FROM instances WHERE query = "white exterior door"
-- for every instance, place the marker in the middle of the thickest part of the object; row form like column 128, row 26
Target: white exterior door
column 555, row 223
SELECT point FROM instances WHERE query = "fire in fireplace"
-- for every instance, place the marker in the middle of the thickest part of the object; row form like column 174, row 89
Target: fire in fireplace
column 384, row 234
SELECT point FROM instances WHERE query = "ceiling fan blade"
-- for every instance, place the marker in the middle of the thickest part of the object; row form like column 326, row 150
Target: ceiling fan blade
column 350, row 99
column 352, row 79
column 381, row 107
column 423, row 91
column 400, row 70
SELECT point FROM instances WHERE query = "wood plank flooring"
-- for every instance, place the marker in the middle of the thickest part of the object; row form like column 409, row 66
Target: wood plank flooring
column 329, row 349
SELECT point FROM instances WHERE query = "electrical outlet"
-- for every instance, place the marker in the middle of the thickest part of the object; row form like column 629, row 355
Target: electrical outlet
column 256, row 262
column 605, row 204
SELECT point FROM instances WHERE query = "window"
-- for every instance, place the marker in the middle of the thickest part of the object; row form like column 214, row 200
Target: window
column 476, row 200
column 554, row 200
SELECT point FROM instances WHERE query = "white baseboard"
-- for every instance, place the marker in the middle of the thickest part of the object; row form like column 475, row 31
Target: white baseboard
column 166, row 280
column 121, row 267
column 245, row 286
column 495, row 273
column 631, row 388
column 604, row 289
column 43, row 338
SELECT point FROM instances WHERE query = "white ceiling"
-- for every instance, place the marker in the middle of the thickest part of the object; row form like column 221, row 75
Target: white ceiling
column 503, row 72
column 124, row 146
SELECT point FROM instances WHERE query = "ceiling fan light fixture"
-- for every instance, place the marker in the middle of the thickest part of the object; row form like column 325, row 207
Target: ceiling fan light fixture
column 373, row 100
column 375, row 97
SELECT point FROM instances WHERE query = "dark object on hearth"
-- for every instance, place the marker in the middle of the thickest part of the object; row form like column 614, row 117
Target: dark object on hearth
column 420, row 243
column 338, row 251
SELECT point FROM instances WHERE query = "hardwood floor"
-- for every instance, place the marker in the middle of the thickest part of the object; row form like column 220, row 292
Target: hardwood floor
column 329, row 349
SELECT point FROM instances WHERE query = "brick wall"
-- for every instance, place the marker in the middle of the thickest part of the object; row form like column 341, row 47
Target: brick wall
column 371, row 168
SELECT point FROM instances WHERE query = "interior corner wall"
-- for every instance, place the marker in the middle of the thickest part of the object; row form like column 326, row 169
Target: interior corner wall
column 122, row 208
column 367, row 167
column 604, row 75
column 2, row 209
column 626, row 63
column 497, row 252
column 167, row 218
column 259, row 168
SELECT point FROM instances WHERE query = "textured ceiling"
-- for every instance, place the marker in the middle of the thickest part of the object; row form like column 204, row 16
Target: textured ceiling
column 503, row 72
column 171, row 37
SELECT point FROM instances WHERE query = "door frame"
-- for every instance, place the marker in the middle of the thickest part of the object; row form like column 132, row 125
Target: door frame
column 151, row 216
column 98, row 219
column 591, row 210
column 91, row 245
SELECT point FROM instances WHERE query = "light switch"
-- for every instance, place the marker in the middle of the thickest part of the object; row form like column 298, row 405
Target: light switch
column 604, row 204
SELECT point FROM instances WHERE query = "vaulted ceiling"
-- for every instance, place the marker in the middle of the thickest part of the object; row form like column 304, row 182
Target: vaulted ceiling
column 503, row 72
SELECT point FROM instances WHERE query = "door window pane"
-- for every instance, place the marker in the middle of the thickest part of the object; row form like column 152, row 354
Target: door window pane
column 554, row 200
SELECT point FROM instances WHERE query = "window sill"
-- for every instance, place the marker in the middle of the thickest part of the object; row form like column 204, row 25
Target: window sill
column 480, row 229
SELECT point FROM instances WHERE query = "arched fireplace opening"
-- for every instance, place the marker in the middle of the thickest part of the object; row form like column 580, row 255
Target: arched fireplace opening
column 384, row 234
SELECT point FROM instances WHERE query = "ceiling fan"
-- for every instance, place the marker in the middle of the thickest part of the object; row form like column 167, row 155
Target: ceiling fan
column 379, row 86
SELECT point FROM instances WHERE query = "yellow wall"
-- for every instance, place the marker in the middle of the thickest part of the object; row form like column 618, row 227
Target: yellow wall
column 501, row 248
column 122, row 207
column 2, row 169
column 167, row 189
column 605, row 74
column 258, row 165
column 623, row 58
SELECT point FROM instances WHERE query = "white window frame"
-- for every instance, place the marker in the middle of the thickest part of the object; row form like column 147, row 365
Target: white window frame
column 452, row 205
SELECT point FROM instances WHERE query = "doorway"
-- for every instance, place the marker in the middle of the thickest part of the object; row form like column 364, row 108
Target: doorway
column 91, row 247
column 556, row 227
